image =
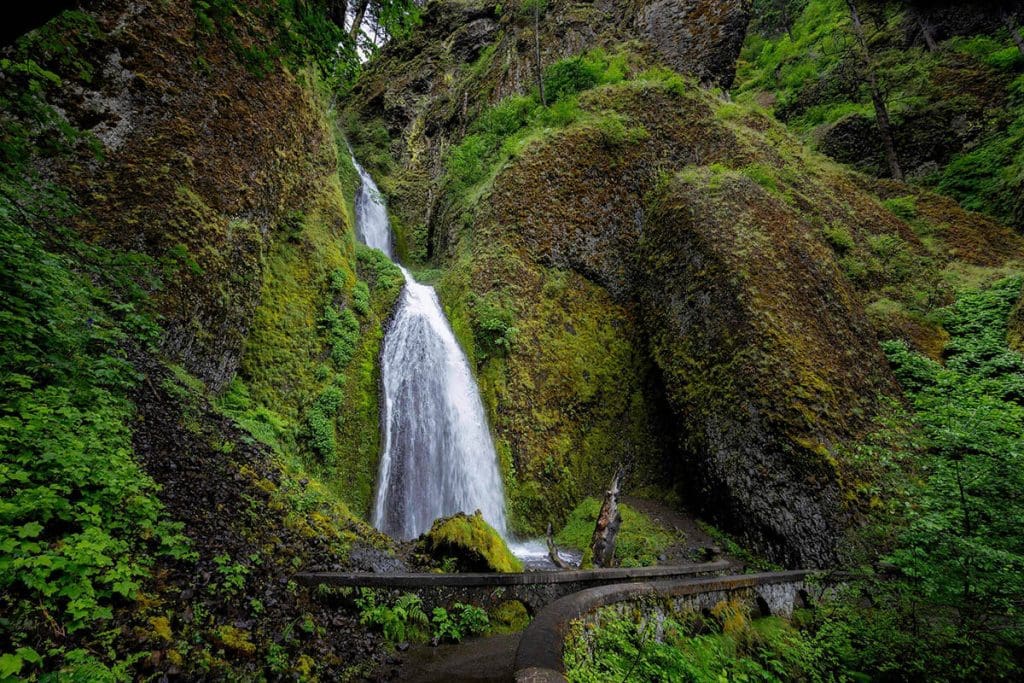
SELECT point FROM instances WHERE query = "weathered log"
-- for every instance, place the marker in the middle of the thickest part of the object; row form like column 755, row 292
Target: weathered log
column 602, row 544
column 553, row 552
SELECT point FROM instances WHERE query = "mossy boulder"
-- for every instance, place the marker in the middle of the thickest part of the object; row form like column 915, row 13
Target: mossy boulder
column 471, row 542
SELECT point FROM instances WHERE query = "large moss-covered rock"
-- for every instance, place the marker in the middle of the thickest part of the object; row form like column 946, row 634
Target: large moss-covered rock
column 471, row 542
column 768, row 358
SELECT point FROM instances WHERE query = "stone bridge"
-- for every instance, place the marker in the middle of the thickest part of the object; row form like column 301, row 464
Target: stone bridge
column 556, row 599
column 533, row 589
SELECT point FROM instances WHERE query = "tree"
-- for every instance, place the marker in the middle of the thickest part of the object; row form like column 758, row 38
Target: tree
column 357, row 19
column 338, row 11
column 863, row 51
column 773, row 17
column 534, row 8
column 925, row 26
column 1010, row 21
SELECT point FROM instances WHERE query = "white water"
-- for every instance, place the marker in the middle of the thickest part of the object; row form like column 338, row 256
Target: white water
column 437, row 458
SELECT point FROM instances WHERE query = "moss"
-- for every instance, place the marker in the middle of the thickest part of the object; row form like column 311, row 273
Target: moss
column 474, row 544
column 640, row 540
column 161, row 628
column 509, row 617
column 236, row 639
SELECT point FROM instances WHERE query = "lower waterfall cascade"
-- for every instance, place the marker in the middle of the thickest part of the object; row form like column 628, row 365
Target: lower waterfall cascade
column 437, row 456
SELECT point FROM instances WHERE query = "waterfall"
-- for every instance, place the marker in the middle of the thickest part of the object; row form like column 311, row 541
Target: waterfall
column 437, row 457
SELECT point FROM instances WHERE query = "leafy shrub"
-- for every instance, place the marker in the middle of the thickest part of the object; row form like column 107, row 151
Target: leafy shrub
column 361, row 299
column 728, row 647
column 404, row 620
column 904, row 207
column 494, row 330
column 458, row 622
column 342, row 333
column 320, row 423
column 839, row 236
column 585, row 71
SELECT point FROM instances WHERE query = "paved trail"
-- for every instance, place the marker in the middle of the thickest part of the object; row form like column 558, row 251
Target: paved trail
column 483, row 660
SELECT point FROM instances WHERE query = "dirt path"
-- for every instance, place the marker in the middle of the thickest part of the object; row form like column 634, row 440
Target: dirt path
column 696, row 539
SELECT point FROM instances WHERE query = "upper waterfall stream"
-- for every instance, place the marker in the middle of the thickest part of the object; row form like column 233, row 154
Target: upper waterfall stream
column 437, row 457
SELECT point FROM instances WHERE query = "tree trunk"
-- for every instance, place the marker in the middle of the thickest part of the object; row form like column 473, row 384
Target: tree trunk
column 602, row 545
column 877, row 98
column 536, row 52
column 339, row 12
column 553, row 552
column 1011, row 26
column 357, row 20
column 926, row 31
column 787, row 21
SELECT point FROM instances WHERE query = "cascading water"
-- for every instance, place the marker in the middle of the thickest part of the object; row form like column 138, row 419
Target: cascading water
column 437, row 457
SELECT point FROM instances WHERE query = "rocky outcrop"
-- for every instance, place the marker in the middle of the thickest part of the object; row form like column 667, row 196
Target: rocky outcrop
column 698, row 37
column 203, row 165
column 767, row 356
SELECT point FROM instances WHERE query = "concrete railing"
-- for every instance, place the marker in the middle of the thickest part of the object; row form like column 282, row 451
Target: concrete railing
column 534, row 589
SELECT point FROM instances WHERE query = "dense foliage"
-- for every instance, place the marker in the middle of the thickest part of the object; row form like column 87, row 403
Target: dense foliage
column 80, row 525
column 404, row 619
column 957, row 109
column 954, row 613
column 304, row 32
column 686, row 646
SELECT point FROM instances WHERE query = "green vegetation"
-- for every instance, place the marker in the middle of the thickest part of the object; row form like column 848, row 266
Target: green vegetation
column 500, row 132
column 799, row 60
column 405, row 620
column 953, row 612
column 299, row 33
column 640, row 541
column 726, row 646
column 80, row 524
column 472, row 542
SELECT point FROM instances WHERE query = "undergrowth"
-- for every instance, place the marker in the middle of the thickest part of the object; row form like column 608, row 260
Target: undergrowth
column 80, row 523
column 639, row 543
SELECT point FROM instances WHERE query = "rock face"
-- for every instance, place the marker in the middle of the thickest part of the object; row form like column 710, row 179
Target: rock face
column 699, row 37
column 767, row 356
column 201, row 168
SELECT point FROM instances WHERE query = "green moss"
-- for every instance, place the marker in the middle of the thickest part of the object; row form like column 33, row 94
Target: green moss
column 640, row 540
column 474, row 544
column 509, row 617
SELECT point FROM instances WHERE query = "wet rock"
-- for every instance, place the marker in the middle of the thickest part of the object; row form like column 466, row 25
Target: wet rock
column 698, row 37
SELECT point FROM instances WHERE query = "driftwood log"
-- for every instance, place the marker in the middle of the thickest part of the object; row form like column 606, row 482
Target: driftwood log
column 602, row 545
column 553, row 552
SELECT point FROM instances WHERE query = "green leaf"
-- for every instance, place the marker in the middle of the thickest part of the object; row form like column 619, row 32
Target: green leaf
column 10, row 665
column 30, row 530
